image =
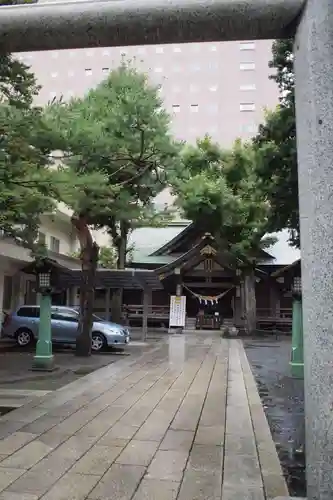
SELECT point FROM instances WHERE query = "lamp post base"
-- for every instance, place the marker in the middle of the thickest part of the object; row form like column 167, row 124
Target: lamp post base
column 297, row 369
column 43, row 363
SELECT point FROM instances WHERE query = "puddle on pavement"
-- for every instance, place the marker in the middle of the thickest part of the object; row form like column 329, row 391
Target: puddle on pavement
column 5, row 409
column 283, row 401
column 177, row 350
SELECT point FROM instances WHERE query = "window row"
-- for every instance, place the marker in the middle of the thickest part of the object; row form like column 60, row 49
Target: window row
column 213, row 88
column 158, row 49
column 194, row 108
column 249, row 127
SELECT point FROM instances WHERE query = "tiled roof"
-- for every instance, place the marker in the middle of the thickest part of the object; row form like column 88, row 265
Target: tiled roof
column 147, row 240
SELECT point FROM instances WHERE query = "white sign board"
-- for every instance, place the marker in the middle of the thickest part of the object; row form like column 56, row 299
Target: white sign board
column 177, row 311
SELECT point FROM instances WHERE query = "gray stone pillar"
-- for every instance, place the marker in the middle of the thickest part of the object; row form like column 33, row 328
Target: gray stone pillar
column 314, row 111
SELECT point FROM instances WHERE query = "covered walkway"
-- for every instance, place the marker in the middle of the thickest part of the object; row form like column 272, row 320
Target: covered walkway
column 183, row 421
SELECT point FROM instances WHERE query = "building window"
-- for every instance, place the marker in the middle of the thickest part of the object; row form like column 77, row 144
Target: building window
column 213, row 48
column 195, row 67
column 72, row 53
column 41, row 238
column 195, row 47
column 90, row 52
column 248, row 66
column 213, row 66
column 177, row 49
column 194, row 108
column 213, row 109
column 248, row 86
column 54, row 244
column 54, row 74
column 247, row 106
column 159, row 49
column 141, row 50
column 106, row 52
column 88, row 71
column 247, row 46
column 251, row 128
column 158, row 70
column 213, row 88
column 176, row 108
column 105, row 70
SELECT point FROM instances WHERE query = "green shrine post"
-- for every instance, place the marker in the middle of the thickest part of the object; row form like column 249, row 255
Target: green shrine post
column 297, row 357
column 43, row 359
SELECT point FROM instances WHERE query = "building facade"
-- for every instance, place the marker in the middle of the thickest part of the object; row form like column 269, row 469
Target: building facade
column 221, row 89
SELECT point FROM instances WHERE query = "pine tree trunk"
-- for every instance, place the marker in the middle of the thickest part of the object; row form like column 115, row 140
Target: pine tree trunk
column 250, row 301
column 89, row 260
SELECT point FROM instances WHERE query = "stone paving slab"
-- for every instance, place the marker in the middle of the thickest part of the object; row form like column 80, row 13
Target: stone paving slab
column 176, row 423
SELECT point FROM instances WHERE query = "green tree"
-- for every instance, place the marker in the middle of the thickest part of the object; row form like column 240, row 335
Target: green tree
column 119, row 147
column 277, row 150
column 107, row 258
column 26, row 188
column 218, row 192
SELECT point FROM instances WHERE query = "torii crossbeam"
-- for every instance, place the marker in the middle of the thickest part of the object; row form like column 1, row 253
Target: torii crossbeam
column 130, row 22
column 68, row 25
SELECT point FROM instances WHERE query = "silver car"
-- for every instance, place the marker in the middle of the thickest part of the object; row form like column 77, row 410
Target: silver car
column 23, row 326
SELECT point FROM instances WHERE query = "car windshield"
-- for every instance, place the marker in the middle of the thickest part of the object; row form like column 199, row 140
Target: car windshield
column 95, row 318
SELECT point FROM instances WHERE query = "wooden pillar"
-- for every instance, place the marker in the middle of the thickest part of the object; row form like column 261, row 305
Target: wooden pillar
column 146, row 305
column 274, row 299
column 107, row 303
column 250, row 301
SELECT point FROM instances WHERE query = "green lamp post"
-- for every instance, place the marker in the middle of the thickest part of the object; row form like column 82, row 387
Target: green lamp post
column 297, row 358
column 43, row 359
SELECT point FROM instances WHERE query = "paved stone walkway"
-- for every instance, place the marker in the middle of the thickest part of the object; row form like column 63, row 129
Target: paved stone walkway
column 183, row 421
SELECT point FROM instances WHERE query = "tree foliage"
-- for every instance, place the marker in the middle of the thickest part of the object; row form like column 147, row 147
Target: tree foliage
column 107, row 258
column 120, row 132
column 218, row 191
column 26, row 189
column 277, row 150
column 117, row 150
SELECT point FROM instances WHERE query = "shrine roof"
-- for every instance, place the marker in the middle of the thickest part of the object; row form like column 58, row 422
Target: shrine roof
column 115, row 278
column 155, row 246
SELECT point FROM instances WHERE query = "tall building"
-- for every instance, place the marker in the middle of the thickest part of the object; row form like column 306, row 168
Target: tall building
column 217, row 88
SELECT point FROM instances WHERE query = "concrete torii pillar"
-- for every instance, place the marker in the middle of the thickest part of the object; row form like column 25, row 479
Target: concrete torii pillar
column 314, row 113
column 130, row 22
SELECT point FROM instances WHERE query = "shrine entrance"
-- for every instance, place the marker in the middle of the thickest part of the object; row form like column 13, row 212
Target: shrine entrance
column 209, row 308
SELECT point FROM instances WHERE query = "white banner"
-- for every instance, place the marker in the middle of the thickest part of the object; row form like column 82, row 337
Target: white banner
column 177, row 311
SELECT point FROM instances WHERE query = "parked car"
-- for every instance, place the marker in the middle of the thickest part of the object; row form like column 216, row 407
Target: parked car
column 23, row 326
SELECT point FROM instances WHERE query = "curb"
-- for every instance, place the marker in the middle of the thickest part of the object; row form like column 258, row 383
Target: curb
column 272, row 476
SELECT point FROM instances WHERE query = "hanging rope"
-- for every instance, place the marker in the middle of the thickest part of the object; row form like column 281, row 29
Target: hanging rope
column 208, row 299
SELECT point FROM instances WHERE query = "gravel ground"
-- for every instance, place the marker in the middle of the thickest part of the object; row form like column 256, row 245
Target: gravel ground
column 283, row 400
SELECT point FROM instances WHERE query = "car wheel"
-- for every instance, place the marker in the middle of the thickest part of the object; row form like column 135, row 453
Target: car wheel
column 98, row 341
column 24, row 337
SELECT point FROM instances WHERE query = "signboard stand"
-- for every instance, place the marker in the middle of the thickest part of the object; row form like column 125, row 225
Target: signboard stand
column 177, row 313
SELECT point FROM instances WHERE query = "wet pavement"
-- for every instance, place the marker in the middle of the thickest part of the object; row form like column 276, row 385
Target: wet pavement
column 16, row 365
column 182, row 421
column 283, row 400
